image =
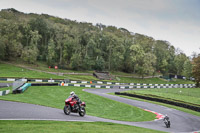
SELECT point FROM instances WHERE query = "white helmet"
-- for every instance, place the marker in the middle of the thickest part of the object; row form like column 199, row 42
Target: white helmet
column 72, row 93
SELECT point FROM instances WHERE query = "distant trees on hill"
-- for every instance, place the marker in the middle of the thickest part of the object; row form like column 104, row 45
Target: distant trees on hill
column 83, row 46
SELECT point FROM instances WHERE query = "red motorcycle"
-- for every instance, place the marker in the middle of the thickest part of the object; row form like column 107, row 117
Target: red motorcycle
column 75, row 106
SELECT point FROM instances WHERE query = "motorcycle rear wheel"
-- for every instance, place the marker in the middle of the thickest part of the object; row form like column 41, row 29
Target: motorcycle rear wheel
column 169, row 124
column 67, row 109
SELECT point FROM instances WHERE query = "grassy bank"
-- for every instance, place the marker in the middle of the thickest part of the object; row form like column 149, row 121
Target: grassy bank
column 153, row 81
column 190, row 95
column 7, row 70
column 68, row 127
column 80, row 77
column 163, row 104
column 187, row 95
column 54, row 96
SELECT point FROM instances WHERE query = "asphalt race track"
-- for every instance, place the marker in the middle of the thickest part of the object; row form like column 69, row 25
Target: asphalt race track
column 180, row 121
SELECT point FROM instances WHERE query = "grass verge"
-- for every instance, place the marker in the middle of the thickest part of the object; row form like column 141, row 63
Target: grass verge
column 167, row 105
column 152, row 81
column 5, row 88
column 68, row 127
column 54, row 96
column 189, row 95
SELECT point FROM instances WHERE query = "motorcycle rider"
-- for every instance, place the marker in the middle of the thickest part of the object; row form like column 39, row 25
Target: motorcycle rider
column 73, row 95
column 166, row 119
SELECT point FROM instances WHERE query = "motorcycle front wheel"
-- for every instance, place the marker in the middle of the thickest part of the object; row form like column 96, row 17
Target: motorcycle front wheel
column 67, row 109
column 82, row 111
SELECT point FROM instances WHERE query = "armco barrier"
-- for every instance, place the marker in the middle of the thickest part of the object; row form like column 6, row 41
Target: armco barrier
column 4, row 92
column 176, row 103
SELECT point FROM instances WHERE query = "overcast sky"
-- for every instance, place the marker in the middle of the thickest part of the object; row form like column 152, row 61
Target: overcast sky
column 176, row 21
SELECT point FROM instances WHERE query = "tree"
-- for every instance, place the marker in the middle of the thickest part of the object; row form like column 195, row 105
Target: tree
column 179, row 62
column 75, row 61
column 10, row 37
column 136, row 55
column 196, row 70
column 149, row 63
column 144, row 41
column 30, row 52
column 187, row 69
column 42, row 26
column 162, row 52
column 51, row 53
column 2, row 49
column 99, row 64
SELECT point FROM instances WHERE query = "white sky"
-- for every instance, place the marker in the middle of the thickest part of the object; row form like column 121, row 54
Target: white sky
column 176, row 21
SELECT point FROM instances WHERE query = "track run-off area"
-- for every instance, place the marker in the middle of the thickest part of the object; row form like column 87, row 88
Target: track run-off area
column 180, row 121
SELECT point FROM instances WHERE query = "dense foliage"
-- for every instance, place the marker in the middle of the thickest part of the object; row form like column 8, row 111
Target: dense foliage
column 84, row 46
column 196, row 70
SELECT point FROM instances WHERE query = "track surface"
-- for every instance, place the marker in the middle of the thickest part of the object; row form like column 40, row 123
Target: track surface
column 180, row 121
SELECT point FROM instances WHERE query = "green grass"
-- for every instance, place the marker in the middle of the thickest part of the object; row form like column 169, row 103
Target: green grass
column 68, row 127
column 152, row 81
column 40, row 65
column 54, row 96
column 190, row 95
column 5, row 88
column 129, row 74
column 163, row 104
column 81, row 77
column 7, row 70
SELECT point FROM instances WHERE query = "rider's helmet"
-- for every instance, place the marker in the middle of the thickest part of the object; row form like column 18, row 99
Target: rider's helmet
column 72, row 93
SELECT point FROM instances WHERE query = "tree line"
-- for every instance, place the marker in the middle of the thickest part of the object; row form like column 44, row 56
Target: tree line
column 84, row 46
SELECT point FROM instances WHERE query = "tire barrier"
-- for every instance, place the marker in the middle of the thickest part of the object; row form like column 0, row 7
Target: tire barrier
column 131, row 84
column 2, row 93
column 88, row 86
column 22, row 88
column 122, row 85
column 190, row 106
column 32, row 80
column 44, row 84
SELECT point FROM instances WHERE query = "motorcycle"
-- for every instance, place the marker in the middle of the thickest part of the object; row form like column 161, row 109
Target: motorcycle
column 75, row 106
column 167, row 123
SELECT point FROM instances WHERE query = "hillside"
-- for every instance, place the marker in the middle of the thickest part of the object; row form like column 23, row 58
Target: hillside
column 83, row 46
